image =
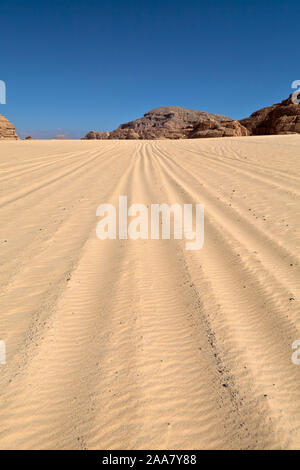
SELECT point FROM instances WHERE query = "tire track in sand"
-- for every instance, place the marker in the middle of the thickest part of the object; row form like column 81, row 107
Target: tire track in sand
column 147, row 345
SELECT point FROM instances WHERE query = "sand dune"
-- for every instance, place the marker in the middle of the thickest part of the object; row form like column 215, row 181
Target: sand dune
column 141, row 344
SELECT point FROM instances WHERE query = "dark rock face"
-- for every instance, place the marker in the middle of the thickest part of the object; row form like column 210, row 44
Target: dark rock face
column 281, row 118
column 173, row 122
column 7, row 130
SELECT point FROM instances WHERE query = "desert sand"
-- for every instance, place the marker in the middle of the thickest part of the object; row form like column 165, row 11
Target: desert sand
column 123, row 344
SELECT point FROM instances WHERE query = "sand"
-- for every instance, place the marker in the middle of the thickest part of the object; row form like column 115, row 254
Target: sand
column 123, row 344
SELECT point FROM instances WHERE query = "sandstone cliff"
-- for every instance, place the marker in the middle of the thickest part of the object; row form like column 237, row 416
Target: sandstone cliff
column 280, row 118
column 172, row 122
column 7, row 130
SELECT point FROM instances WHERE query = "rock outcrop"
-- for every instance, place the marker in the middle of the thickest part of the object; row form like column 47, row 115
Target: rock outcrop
column 60, row 137
column 221, row 128
column 7, row 130
column 281, row 118
column 92, row 135
column 173, row 122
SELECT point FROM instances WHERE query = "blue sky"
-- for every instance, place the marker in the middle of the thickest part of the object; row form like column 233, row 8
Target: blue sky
column 75, row 66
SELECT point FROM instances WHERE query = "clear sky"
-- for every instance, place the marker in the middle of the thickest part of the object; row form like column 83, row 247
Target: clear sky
column 80, row 65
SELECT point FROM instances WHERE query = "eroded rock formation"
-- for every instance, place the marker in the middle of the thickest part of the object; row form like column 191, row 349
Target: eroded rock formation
column 173, row 122
column 281, row 118
column 7, row 130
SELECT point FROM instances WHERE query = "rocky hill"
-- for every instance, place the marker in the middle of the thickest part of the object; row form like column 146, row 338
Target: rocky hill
column 172, row 122
column 280, row 118
column 7, row 130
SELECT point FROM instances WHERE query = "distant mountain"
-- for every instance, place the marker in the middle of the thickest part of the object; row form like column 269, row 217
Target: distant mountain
column 60, row 137
column 7, row 130
column 172, row 122
column 280, row 118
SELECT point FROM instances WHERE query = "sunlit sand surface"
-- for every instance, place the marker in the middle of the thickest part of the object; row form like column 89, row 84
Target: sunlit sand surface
column 142, row 344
